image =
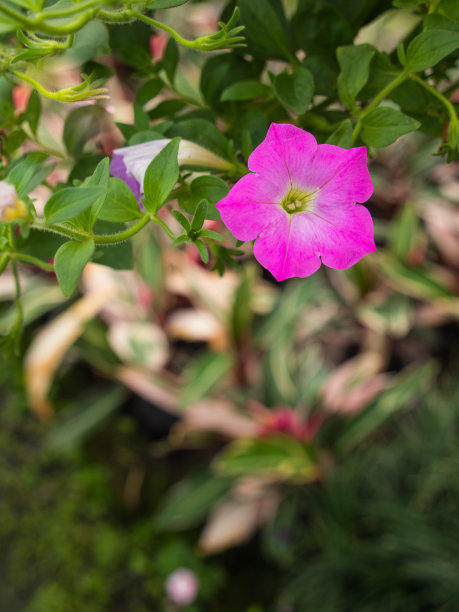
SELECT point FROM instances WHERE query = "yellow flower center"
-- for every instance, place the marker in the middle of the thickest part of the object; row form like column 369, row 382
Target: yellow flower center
column 297, row 201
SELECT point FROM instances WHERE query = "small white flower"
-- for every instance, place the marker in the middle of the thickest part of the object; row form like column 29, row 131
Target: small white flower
column 11, row 207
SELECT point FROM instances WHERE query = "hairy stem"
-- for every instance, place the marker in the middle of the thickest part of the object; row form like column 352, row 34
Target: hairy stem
column 64, row 230
column 165, row 227
column 122, row 236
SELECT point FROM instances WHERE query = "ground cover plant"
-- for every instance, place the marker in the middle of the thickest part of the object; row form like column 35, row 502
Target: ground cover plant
column 229, row 245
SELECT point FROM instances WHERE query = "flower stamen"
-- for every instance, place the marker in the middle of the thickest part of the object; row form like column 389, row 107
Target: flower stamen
column 299, row 201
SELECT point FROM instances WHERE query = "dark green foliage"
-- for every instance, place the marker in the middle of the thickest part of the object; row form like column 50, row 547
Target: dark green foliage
column 381, row 533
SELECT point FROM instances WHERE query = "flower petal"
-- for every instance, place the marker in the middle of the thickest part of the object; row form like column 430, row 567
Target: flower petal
column 342, row 173
column 130, row 163
column 343, row 233
column 286, row 249
column 283, row 154
column 250, row 206
column 351, row 179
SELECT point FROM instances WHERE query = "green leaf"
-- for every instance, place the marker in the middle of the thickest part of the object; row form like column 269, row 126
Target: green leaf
column 33, row 111
column 203, row 252
column 161, row 176
column 342, row 136
column 82, row 125
column 321, row 27
column 403, row 231
column 13, row 141
column 428, row 48
column 180, row 240
column 87, row 415
column 69, row 202
column 30, row 55
column 91, row 41
column 70, row 261
column 245, row 90
column 383, row 125
column 199, row 216
column 149, row 90
column 221, row 71
column 40, row 244
column 295, row 90
column 182, row 220
column 406, row 3
column 210, row 188
column 354, row 61
column 203, row 375
column 164, row 4
column 279, row 456
column 415, row 282
column 166, row 108
column 201, row 132
column 99, row 178
column 170, row 60
column 29, row 172
column 141, row 119
column 211, row 235
column 241, row 315
column 405, row 388
column 265, row 29
column 117, row 256
column 188, row 502
column 450, row 8
column 120, row 204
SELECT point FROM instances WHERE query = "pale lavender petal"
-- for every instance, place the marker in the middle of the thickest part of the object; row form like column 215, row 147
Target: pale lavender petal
column 250, row 206
column 286, row 249
column 130, row 163
column 283, row 154
column 118, row 168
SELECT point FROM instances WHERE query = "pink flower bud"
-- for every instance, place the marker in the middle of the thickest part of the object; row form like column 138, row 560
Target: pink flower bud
column 182, row 586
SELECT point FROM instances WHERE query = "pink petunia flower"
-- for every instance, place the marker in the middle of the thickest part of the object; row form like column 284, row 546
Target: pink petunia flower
column 299, row 204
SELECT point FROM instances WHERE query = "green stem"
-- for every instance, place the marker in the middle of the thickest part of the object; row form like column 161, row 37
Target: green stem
column 34, row 24
column 165, row 227
column 162, row 26
column 4, row 259
column 40, row 17
column 433, row 6
column 17, row 302
column 63, row 230
column 15, row 15
column 34, row 261
column 68, row 94
column 121, row 16
column 451, row 110
column 122, row 236
column 389, row 88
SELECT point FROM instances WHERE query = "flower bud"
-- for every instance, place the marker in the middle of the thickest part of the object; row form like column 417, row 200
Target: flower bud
column 130, row 163
column 11, row 207
column 182, row 586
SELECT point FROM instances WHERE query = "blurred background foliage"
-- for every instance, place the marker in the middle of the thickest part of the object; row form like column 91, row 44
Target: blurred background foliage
column 295, row 446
